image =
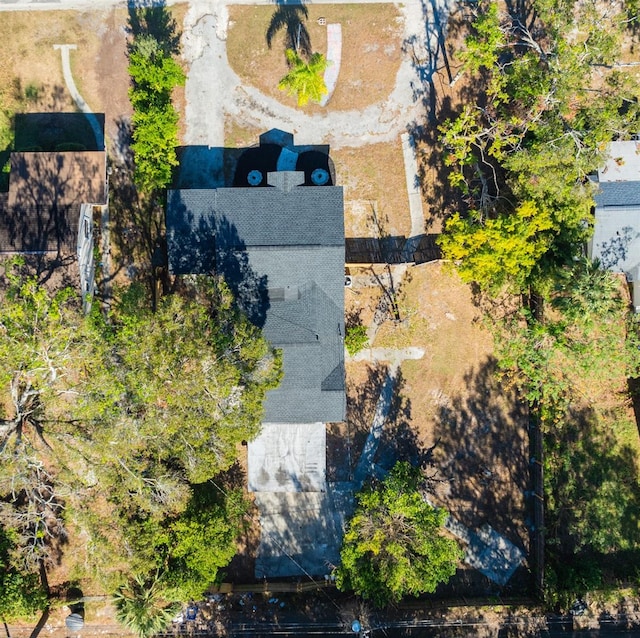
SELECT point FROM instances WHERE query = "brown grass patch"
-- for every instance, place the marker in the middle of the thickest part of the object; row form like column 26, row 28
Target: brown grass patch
column 373, row 178
column 371, row 41
column 30, row 61
column 239, row 136
column 31, row 66
column 451, row 399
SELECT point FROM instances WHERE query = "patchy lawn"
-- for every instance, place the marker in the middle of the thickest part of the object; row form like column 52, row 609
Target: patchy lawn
column 371, row 41
column 451, row 411
column 373, row 178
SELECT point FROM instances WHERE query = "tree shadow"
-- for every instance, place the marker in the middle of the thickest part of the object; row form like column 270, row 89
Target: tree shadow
column 152, row 17
column 400, row 440
column 443, row 92
column 290, row 19
column 522, row 12
column 46, row 192
column 137, row 223
column 362, row 398
column 483, row 452
column 208, row 245
column 57, row 132
column 592, row 498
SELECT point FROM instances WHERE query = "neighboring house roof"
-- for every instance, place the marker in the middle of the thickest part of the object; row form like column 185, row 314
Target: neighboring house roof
column 41, row 212
column 616, row 229
column 616, row 233
column 280, row 246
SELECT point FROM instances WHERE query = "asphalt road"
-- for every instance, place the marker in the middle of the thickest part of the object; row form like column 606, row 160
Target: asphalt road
column 86, row 5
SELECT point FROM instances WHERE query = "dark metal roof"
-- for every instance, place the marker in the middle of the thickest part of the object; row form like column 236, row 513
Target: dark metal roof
column 281, row 250
column 46, row 189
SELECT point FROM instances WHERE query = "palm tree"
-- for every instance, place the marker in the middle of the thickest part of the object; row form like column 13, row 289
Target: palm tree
column 140, row 607
column 305, row 79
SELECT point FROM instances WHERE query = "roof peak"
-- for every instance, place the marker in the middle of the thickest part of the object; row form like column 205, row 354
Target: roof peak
column 285, row 180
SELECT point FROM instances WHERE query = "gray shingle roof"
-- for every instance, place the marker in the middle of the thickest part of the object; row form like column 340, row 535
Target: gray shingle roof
column 283, row 255
column 618, row 194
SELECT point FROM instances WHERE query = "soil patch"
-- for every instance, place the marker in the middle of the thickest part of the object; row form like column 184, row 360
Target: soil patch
column 371, row 41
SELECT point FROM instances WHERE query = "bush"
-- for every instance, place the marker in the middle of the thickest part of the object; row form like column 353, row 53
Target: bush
column 356, row 339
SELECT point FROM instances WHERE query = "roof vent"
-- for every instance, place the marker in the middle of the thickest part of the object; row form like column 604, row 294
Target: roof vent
column 254, row 178
column 319, row 177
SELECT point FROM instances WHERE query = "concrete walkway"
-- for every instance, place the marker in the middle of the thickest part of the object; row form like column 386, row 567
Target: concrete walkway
column 75, row 94
column 334, row 56
column 393, row 355
column 365, row 466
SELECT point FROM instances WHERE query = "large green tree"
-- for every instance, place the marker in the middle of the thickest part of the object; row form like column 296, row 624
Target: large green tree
column 154, row 73
column 500, row 251
column 395, row 544
column 551, row 95
column 125, row 413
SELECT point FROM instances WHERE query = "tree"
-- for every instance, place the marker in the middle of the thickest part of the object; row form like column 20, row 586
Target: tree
column 142, row 608
column 127, row 412
column 21, row 595
column 550, row 99
column 356, row 338
column 305, row 79
column 154, row 74
column 394, row 544
column 588, row 342
column 203, row 540
column 43, row 338
column 498, row 251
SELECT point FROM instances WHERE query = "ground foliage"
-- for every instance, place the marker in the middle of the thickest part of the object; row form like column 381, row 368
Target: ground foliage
column 21, row 595
column 572, row 365
column 552, row 96
column 109, row 423
column 394, row 544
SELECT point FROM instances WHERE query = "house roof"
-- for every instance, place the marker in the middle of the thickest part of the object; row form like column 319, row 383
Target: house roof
column 616, row 233
column 42, row 208
column 281, row 250
column 618, row 193
column 616, row 238
column 623, row 163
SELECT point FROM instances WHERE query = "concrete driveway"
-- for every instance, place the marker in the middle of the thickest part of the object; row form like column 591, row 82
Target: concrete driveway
column 213, row 90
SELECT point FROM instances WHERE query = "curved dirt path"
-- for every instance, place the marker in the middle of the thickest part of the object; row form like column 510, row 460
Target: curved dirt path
column 214, row 90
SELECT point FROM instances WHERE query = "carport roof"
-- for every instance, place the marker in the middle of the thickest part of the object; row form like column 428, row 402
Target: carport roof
column 41, row 211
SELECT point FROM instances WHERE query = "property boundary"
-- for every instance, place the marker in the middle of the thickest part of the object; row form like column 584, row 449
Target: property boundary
column 536, row 466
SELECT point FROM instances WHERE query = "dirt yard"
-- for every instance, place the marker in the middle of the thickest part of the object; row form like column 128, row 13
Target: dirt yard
column 374, row 181
column 31, row 77
column 370, row 33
